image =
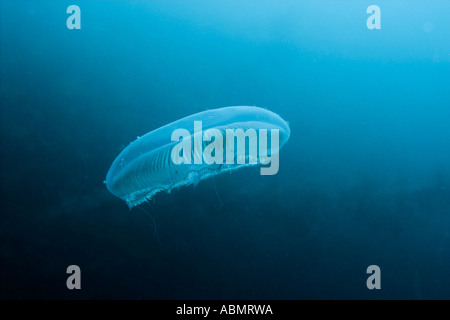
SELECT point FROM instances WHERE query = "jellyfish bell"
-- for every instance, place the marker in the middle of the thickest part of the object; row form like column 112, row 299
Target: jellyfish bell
column 196, row 147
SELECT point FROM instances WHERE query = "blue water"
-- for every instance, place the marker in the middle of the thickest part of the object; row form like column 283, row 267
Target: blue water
column 364, row 178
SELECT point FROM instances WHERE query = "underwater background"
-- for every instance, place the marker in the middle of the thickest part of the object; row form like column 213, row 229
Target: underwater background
column 363, row 180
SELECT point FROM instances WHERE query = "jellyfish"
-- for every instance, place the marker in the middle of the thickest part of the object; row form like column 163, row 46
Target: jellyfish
column 197, row 147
